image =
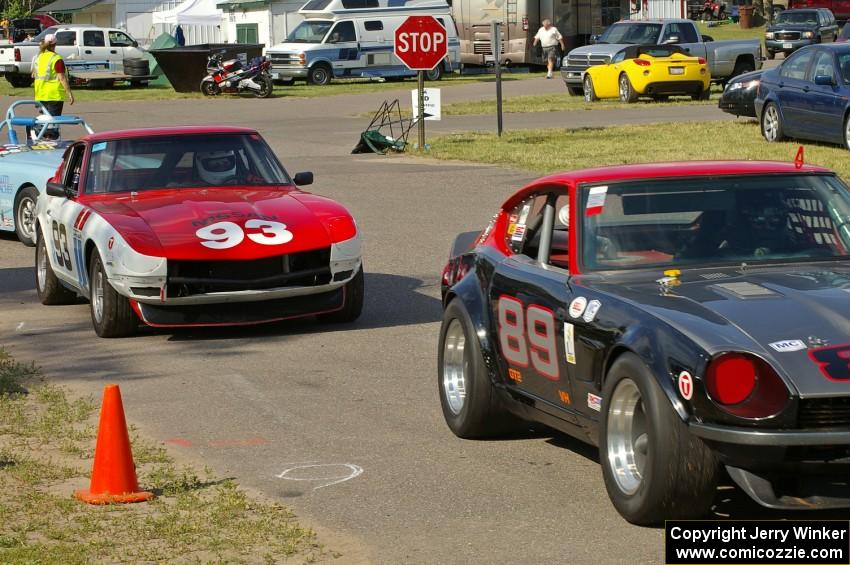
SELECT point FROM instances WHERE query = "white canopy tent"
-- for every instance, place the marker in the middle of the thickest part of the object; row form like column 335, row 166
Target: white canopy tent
column 190, row 12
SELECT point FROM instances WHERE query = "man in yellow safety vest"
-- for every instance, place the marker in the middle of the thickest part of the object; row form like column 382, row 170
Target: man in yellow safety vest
column 51, row 81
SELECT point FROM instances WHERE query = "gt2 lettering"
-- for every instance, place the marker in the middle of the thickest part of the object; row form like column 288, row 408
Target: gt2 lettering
column 224, row 235
column 60, row 245
column 834, row 361
column 538, row 345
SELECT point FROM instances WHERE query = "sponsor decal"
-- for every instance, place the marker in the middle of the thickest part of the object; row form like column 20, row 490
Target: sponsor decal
column 686, row 385
column 570, row 343
column 596, row 200
column 5, row 185
column 98, row 147
column 591, row 310
column 519, row 232
column 564, row 397
column 833, row 361
column 594, row 402
column 523, row 215
column 515, row 375
column 110, row 243
column 511, row 229
column 788, row 345
column 577, row 306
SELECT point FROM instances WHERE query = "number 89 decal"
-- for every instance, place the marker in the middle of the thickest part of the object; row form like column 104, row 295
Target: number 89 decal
column 224, row 235
column 539, row 344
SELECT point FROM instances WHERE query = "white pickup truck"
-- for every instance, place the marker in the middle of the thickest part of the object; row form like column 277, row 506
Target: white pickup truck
column 77, row 42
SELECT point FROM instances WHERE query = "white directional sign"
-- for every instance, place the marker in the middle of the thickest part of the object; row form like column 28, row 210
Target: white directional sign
column 432, row 104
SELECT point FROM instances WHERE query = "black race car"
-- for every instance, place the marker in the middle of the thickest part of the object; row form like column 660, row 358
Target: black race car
column 739, row 96
column 680, row 316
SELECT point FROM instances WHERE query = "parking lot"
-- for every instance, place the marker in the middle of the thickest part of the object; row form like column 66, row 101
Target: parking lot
column 343, row 424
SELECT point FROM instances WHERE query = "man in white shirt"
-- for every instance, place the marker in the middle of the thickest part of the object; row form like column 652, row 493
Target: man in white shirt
column 549, row 37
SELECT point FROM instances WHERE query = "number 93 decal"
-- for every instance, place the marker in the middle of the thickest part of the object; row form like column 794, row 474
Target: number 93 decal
column 224, row 235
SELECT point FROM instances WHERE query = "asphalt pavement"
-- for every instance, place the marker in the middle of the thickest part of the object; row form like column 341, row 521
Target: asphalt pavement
column 343, row 423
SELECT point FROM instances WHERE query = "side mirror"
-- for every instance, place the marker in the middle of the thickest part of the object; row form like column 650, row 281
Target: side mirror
column 303, row 179
column 135, row 43
column 594, row 39
column 824, row 80
column 56, row 189
column 707, row 39
column 671, row 40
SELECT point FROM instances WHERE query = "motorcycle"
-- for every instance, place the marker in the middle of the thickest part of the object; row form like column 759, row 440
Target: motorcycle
column 231, row 77
column 713, row 10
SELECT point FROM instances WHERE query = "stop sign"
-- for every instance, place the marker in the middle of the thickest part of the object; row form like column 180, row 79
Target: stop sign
column 420, row 43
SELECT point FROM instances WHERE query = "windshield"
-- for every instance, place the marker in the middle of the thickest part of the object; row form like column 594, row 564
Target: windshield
column 309, row 32
column 182, row 161
column 810, row 18
column 41, row 35
column 637, row 33
column 711, row 220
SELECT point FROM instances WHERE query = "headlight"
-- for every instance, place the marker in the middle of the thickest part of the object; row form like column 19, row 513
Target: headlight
column 768, row 35
column 743, row 85
column 808, row 34
column 751, row 84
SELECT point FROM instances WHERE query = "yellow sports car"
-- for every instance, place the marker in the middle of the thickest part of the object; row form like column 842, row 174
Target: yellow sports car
column 657, row 71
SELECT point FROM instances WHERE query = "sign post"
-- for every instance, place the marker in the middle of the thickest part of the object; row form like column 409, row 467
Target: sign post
column 420, row 43
column 496, row 44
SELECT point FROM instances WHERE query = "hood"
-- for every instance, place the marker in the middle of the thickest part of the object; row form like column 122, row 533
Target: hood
column 599, row 49
column 290, row 48
column 726, row 310
column 165, row 223
column 792, row 27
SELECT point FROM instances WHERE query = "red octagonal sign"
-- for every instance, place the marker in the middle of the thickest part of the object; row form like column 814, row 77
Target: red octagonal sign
column 420, row 43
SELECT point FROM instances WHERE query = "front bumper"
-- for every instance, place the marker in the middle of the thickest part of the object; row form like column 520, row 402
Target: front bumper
column 739, row 102
column 786, row 46
column 792, row 469
column 573, row 76
column 280, row 72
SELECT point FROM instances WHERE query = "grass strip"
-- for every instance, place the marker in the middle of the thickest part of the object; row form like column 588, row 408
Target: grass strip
column 46, row 447
column 550, row 150
column 296, row 90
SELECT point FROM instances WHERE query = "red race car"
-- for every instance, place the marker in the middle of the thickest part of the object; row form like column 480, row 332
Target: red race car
column 192, row 226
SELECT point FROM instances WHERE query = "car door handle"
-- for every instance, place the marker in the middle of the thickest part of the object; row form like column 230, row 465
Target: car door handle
column 49, row 213
column 113, row 51
column 687, row 49
column 805, row 89
column 781, row 84
column 88, row 51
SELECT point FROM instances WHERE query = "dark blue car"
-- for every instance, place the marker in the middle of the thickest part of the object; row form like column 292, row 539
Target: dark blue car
column 806, row 96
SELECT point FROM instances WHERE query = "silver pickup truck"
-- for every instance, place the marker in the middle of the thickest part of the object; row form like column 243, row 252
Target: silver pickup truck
column 76, row 43
column 726, row 59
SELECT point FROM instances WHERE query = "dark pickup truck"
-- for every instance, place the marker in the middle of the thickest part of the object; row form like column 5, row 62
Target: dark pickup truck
column 797, row 28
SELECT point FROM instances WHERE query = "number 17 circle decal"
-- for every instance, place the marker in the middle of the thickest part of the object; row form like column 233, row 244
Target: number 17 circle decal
column 224, row 235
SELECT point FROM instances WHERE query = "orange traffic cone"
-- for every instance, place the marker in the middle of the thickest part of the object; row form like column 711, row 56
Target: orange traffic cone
column 113, row 478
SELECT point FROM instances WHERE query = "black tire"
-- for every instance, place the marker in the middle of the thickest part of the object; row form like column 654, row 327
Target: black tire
column 434, row 74
column 575, row 90
column 702, row 95
column 354, row 294
column 742, row 66
column 115, row 318
column 589, row 94
column 50, row 291
column 847, row 131
column 627, row 91
column 771, row 123
column 771, row 54
column 676, row 476
column 319, row 75
column 474, row 411
column 210, row 88
column 266, row 86
column 19, row 80
column 24, row 212
column 139, row 83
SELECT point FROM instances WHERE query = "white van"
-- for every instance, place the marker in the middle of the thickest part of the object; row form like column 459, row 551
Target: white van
column 354, row 38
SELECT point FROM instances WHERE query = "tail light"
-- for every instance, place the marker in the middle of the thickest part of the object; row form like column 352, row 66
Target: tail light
column 642, row 62
column 17, row 55
column 701, row 60
column 745, row 385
